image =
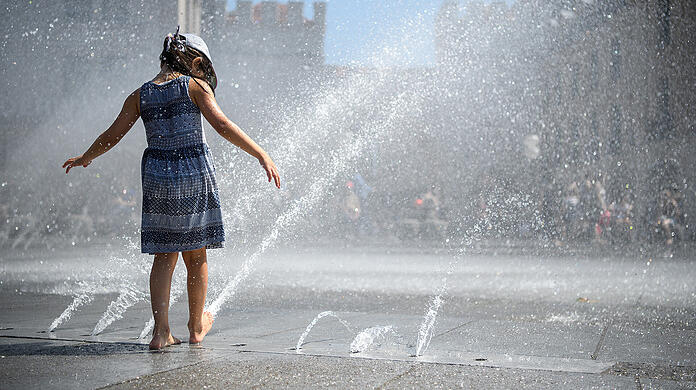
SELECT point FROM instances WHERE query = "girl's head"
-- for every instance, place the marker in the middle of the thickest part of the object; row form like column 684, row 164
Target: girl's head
column 188, row 54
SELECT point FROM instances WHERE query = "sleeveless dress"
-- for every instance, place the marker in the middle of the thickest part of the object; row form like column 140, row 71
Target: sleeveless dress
column 181, row 205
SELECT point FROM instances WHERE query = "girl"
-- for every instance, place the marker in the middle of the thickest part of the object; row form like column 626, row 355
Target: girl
column 181, row 207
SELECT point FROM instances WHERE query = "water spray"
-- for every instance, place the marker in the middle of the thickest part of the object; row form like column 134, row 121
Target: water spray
column 368, row 336
column 300, row 341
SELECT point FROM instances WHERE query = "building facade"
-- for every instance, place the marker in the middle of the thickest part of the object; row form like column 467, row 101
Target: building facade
column 608, row 88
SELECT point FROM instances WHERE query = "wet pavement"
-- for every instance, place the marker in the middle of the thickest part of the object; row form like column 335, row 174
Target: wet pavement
column 507, row 321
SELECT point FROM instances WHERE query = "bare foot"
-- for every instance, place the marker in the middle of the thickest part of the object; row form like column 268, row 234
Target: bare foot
column 160, row 341
column 199, row 332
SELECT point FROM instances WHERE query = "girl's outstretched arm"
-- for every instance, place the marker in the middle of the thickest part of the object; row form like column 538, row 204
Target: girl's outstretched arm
column 203, row 97
column 124, row 121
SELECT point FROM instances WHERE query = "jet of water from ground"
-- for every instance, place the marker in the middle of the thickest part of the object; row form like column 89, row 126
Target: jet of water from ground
column 300, row 341
column 129, row 296
column 82, row 298
column 367, row 337
column 147, row 329
column 130, row 293
column 89, row 289
column 425, row 331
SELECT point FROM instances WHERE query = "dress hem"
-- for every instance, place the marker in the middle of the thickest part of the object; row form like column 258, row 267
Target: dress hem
column 215, row 244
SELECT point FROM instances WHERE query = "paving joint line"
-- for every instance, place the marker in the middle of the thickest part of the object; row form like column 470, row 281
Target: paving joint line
column 279, row 332
column 455, row 328
column 600, row 343
column 314, row 341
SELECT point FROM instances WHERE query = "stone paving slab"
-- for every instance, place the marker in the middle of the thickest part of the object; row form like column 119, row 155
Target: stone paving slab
column 650, row 345
column 267, row 370
column 264, row 370
column 524, row 338
column 506, row 322
column 526, row 346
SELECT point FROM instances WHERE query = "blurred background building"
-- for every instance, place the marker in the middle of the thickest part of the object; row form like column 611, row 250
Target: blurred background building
column 606, row 85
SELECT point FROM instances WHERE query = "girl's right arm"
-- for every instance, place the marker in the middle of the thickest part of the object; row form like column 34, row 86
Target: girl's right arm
column 130, row 112
column 203, row 97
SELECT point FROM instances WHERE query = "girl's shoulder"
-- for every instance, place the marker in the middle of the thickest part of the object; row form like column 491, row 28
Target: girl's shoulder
column 198, row 85
column 198, row 90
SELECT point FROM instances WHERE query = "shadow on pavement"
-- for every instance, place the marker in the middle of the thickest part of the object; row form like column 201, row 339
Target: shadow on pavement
column 48, row 348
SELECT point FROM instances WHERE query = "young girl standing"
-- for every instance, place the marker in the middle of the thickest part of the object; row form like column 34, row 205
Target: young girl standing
column 181, row 206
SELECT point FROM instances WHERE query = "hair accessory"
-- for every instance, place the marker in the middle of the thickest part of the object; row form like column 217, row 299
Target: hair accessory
column 181, row 41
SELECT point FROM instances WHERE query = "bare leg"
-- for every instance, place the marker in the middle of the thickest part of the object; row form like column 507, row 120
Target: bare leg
column 160, row 285
column 197, row 285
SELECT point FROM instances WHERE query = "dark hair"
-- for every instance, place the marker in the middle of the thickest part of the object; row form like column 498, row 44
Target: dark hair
column 179, row 58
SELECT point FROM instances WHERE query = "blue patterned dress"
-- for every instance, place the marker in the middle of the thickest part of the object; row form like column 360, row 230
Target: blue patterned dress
column 181, row 205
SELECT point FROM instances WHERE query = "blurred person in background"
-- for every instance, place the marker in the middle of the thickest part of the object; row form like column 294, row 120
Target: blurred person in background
column 624, row 230
column 670, row 218
column 351, row 208
column 571, row 213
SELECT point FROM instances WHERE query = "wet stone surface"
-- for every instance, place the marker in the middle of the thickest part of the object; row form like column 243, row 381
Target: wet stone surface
column 654, row 371
column 505, row 322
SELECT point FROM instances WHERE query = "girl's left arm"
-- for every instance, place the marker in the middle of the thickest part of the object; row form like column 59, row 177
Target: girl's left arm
column 109, row 138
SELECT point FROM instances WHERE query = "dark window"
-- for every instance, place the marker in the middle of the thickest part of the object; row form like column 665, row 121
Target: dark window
column 593, row 152
column 615, row 137
column 594, row 65
column 77, row 13
column 574, row 88
column 664, row 120
column 558, row 88
column 558, row 145
column 665, row 17
column 615, row 59
column 575, row 142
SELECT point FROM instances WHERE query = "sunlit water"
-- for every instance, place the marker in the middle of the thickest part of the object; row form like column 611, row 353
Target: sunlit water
column 80, row 299
column 367, row 337
column 303, row 336
column 425, row 331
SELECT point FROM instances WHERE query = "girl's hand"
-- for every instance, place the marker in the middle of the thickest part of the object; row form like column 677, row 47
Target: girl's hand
column 76, row 161
column 271, row 169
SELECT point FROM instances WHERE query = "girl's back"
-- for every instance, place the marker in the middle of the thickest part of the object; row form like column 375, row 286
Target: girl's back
column 172, row 120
